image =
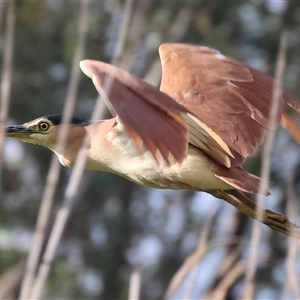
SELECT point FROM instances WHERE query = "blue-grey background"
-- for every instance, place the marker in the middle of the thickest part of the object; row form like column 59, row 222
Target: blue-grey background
column 116, row 225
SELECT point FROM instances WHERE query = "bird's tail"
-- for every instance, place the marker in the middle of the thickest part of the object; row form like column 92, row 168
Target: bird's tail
column 289, row 124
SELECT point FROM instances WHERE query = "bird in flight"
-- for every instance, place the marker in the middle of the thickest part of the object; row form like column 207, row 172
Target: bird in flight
column 194, row 133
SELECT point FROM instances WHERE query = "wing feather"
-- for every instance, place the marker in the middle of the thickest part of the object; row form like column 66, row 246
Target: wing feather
column 151, row 118
column 221, row 106
column 228, row 99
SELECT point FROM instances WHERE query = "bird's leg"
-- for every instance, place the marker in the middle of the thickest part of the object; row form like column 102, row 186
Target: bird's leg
column 244, row 199
column 270, row 218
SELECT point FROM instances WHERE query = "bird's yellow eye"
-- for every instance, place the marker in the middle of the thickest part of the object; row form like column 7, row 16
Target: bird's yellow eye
column 44, row 126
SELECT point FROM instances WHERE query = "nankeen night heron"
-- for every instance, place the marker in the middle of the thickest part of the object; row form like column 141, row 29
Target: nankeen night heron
column 210, row 114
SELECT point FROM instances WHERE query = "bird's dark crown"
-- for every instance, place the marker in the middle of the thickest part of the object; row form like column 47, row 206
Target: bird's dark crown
column 58, row 119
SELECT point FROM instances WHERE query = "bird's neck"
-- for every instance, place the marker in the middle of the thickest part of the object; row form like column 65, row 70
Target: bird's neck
column 111, row 150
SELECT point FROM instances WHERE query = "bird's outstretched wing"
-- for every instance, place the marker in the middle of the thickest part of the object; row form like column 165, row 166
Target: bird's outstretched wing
column 152, row 118
column 223, row 106
column 228, row 99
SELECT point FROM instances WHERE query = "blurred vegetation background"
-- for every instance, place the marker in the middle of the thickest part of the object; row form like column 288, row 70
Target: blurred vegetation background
column 115, row 225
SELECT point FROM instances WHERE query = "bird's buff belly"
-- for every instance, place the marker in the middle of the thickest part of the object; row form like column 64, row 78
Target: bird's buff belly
column 193, row 174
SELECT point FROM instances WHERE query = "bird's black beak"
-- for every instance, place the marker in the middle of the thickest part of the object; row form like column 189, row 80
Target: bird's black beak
column 17, row 131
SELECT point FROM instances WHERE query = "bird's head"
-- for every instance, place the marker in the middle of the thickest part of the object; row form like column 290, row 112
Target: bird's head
column 44, row 130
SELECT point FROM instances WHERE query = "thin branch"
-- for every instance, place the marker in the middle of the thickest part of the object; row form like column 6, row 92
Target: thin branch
column 135, row 283
column 231, row 277
column 6, row 75
column 191, row 262
column 53, row 174
column 63, row 212
column 72, row 188
column 293, row 278
column 265, row 173
column 10, row 280
column 119, row 48
column 293, row 248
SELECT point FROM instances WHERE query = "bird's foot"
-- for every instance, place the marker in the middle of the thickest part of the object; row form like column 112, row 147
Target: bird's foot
column 281, row 223
column 274, row 220
column 277, row 217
